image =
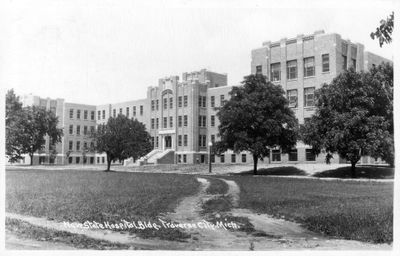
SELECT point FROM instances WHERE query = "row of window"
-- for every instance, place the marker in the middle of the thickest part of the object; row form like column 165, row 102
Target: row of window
column 293, row 155
column 78, row 145
column 78, row 130
column 126, row 112
column 221, row 98
column 309, row 98
column 84, row 160
column 78, row 114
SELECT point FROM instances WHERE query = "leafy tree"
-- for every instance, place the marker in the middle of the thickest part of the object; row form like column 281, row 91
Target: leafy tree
column 353, row 118
column 27, row 130
column 384, row 31
column 122, row 138
column 256, row 118
column 13, row 105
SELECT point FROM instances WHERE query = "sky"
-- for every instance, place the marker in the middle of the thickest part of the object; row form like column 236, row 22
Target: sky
column 98, row 52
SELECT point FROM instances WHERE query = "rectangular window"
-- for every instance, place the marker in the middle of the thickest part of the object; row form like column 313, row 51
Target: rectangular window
column 233, row 158
column 165, row 103
column 222, row 100
column 157, row 103
column 200, row 100
column 292, row 97
column 141, row 110
column 104, row 114
column 204, row 121
column 309, row 99
column 213, row 138
column 293, row 155
column 212, row 101
column 200, row 140
column 114, row 112
column 171, row 122
column 152, row 142
column 185, row 101
column 78, row 114
column 259, row 69
column 71, row 145
column 70, row 160
column 92, row 145
column 71, row 113
column 85, row 114
column 103, row 159
column 179, row 121
column 353, row 63
column 152, row 123
column 157, row 123
column 157, row 142
column 222, row 158
column 325, row 62
column 212, row 120
column 85, row 130
column 165, row 122
column 85, row 145
column 291, row 69
column 344, row 62
column 204, row 102
column 171, row 103
column 185, row 140
column 276, row 155
column 120, row 111
column 98, row 115
column 276, row 72
column 179, row 101
column 200, row 119
column 179, row 140
column 127, row 111
column 184, row 158
column 92, row 113
column 153, row 105
column 134, row 111
column 77, row 159
column 185, row 120
column 78, row 130
column 244, row 158
column 310, row 156
column 78, row 145
column 71, row 129
column 309, row 67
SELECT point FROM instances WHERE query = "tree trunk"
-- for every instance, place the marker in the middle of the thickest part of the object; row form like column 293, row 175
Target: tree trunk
column 108, row 163
column 255, row 159
column 353, row 169
column 31, row 155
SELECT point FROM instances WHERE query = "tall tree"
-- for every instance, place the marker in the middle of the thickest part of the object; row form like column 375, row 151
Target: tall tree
column 26, row 133
column 255, row 119
column 13, row 105
column 122, row 138
column 353, row 118
column 384, row 31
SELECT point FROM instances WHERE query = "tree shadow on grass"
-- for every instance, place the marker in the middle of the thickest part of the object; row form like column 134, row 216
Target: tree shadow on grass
column 281, row 171
column 364, row 171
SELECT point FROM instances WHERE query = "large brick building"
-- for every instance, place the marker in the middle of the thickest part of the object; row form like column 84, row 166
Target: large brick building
column 181, row 116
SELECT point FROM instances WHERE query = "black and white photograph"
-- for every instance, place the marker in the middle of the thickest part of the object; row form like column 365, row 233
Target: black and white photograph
column 186, row 125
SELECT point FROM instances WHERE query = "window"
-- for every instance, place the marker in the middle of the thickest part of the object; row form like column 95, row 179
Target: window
column 152, row 123
column 78, row 114
column 179, row 140
column 200, row 100
column 185, row 140
column 71, row 145
column 222, row 99
column 291, row 69
column 276, row 72
column 184, row 158
column 114, row 112
column 104, row 114
column 213, row 121
column 325, row 62
column 204, row 102
column 202, row 141
column 179, row 158
column 70, row 160
column 353, row 63
column 222, row 158
column 165, row 122
column 92, row 113
column 213, row 138
column 200, row 118
column 179, row 121
column 85, row 130
column 244, row 158
column 171, row 121
column 103, row 159
column 276, row 155
column 152, row 105
column 293, row 155
column 344, row 62
column 165, row 103
column 171, row 102
column 309, row 97
column 185, row 120
column 152, row 142
column 185, row 101
column 292, row 97
column 91, row 129
column 202, row 121
column 71, row 113
column 127, row 111
column 71, row 129
column 157, row 104
column 179, row 101
column 259, row 69
column 309, row 67
column 141, row 110
column 310, row 156
column 77, row 159
column 157, row 142
column 120, row 111
column 92, row 145
column 212, row 101
column 134, row 110
column 78, row 130
column 85, row 114
column 233, row 158
column 98, row 115
column 157, row 123
column 85, row 145
column 78, row 145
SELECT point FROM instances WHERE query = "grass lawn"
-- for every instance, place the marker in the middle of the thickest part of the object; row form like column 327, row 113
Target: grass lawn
column 346, row 209
column 98, row 196
column 363, row 171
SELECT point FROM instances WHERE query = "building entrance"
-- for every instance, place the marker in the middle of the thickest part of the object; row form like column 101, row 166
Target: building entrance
column 168, row 142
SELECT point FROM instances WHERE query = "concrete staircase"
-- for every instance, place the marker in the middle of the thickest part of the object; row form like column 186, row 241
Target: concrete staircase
column 156, row 156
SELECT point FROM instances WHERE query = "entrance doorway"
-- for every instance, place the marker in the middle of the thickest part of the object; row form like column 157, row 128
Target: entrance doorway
column 168, row 142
